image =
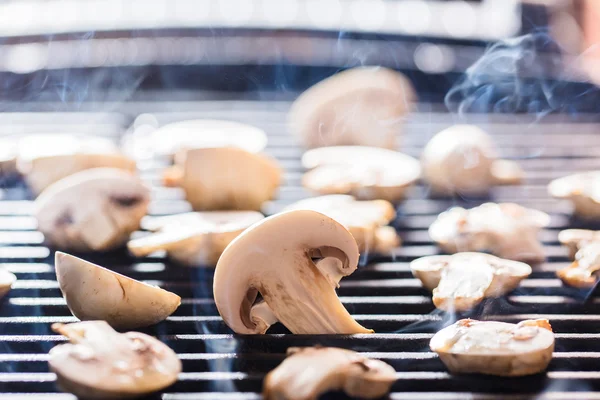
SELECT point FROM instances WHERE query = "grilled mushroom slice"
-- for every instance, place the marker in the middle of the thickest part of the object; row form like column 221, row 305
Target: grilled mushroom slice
column 505, row 229
column 495, row 348
column 575, row 239
column 366, row 220
column 92, row 210
column 100, row 363
column 362, row 106
column 461, row 281
column 462, row 159
column 583, row 272
column 194, row 238
column 225, row 178
column 367, row 173
column 311, row 371
column 7, row 279
column 96, row 293
column 46, row 158
column 275, row 258
column 582, row 189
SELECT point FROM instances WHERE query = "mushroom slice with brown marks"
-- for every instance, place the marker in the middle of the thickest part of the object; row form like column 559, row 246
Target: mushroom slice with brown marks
column 362, row 106
column 225, row 178
column 7, row 279
column 308, row 372
column 495, row 348
column 367, row 173
column 582, row 189
column 461, row 281
column 92, row 210
column 505, row 229
column 100, row 363
column 274, row 257
column 583, row 272
column 96, row 293
column 193, row 239
column 575, row 239
column 463, row 159
column 366, row 220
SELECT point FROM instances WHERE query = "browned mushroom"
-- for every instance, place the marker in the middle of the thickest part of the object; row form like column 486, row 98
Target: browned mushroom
column 583, row 191
column 362, row 106
column 585, row 245
column 311, row 371
column 505, row 229
column 495, row 348
column 575, row 239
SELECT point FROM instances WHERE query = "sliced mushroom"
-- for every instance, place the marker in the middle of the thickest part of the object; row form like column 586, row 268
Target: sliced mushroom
column 505, row 229
column 225, row 178
column 575, row 239
column 363, row 106
column 308, row 372
column 461, row 281
column 462, row 159
column 583, row 272
column 274, row 257
column 364, row 219
column 96, row 293
column 193, row 134
column 495, row 348
column 194, row 239
column 582, row 189
column 100, row 363
column 7, row 279
column 367, row 173
column 46, row 158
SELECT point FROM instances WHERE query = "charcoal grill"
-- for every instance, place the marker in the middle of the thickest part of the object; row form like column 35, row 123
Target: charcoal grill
column 382, row 295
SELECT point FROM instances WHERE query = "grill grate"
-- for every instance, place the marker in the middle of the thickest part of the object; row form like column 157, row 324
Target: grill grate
column 383, row 296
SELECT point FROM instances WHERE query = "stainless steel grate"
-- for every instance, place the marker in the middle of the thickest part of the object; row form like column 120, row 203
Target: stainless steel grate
column 382, row 295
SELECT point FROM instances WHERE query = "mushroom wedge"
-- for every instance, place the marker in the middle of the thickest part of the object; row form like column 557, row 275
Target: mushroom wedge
column 462, row 159
column 100, row 363
column 308, row 372
column 92, row 210
column 7, row 280
column 495, row 348
column 366, row 173
column 366, row 220
column 461, row 281
column 96, row 293
column 362, row 106
column 583, row 190
column 274, row 257
column 193, row 238
column 225, row 178
column 584, row 247
column 505, row 229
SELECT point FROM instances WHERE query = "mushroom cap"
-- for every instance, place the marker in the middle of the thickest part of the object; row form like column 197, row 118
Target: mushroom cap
column 96, row 293
column 193, row 239
column 576, row 238
column 463, row 159
column 96, row 210
column 172, row 138
column 367, row 173
column 275, row 257
column 311, row 371
column 7, row 279
column 361, row 106
column 582, row 189
column 461, row 281
column 583, row 272
column 505, row 229
column 495, row 348
column 225, row 178
column 100, row 363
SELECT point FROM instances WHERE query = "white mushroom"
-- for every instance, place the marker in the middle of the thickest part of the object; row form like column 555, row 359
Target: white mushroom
column 193, row 239
column 100, row 363
column 583, row 272
column 225, row 178
column 7, row 279
column 462, row 159
column 96, row 293
column 192, row 134
column 362, row 106
column 96, row 210
column 495, row 348
column 367, row 173
column 309, row 372
column 461, row 281
column 366, row 220
column 575, row 239
column 582, row 189
column 275, row 258
column 46, row 158
column 505, row 229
